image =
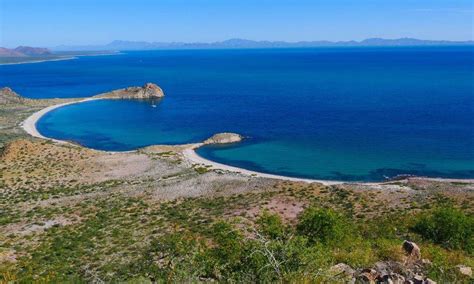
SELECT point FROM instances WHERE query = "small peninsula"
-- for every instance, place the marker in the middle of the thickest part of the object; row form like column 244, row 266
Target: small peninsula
column 28, row 54
column 149, row 205
column 8, row 96
column 147, row 91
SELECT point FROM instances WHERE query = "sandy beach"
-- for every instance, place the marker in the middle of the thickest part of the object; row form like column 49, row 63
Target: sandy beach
column 192, row 156
column 60, row 58
column 29, row 125
column 40, row 61
column 189, row 153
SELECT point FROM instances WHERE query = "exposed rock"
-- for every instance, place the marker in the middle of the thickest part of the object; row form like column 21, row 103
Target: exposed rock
column 365, row 278
column 412, row 249
column 368, row 276
column 148, row 91
column 8, row 96
column 391, row 278
column 224, row 138
column 418, row 279
column 382, row 268
column 464, row 270
column 395, row 272
column 341, row 269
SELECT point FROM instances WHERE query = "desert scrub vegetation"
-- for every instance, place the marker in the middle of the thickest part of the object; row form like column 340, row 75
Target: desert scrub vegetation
column 125, row 239
column 202, row 169
column 447, row 226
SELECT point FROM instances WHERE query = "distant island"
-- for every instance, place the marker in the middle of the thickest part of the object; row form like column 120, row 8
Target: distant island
column 28, row 54
column 24, row 51
column 244, row 43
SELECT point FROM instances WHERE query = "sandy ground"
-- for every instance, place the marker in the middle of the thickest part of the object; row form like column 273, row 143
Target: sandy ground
column 189, row 153
column 29, row 125
column 40, row 61
column 58, row 59
column 192, row 156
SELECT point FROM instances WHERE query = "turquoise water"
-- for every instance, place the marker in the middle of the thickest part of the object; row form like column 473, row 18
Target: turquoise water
column 358, row 114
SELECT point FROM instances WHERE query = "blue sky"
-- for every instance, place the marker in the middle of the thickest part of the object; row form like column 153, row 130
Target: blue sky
column 71, row 22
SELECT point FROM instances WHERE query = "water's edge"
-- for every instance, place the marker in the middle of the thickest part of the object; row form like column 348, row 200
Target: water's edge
column 29, row 126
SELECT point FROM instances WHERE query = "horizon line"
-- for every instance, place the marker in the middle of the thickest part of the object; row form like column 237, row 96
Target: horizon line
column 471, row 40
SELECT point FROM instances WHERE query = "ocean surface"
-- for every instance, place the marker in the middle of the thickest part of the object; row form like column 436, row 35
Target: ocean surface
column 354, row 114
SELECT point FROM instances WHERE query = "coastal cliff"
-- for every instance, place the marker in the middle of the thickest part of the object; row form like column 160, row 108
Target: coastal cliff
column 148, row 91
column 8, row 96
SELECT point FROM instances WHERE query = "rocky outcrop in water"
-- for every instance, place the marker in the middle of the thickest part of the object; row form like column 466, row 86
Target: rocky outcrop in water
column 8, row 96
column 224, row 138
column 148, row 91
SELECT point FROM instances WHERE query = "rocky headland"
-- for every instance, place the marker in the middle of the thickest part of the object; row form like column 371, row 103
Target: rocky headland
column 147, row 91
column 8, row 96
column 154, row 214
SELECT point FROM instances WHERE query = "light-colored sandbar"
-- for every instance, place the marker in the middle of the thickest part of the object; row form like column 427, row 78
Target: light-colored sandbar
column 40, row 61
column 192, row 156
column 59, row 58
column 29, row 125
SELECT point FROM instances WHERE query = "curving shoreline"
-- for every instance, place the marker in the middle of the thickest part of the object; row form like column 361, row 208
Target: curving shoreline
column 29, row 126
column 192, row 156
column 189, row 153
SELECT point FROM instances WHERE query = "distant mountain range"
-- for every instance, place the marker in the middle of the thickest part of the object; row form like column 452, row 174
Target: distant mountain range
column 244, row 43
column 24, row 51
column 119, row 45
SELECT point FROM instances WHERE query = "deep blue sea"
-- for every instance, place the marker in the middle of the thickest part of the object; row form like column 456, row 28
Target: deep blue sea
column 355, row 114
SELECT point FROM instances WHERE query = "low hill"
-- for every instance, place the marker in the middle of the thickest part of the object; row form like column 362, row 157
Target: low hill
column 8, row 96
column 5, row 52
column 24, row 51
column 33, row 51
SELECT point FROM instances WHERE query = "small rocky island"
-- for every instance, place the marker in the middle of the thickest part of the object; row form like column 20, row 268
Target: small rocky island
column 224, row 138
column 154, row 203
column 148, row 91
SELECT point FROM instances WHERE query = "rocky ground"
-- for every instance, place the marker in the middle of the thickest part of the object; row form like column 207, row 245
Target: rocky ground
column 73, row 214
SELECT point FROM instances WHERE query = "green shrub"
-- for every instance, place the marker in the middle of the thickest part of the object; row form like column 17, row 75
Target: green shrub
column 448, row 227
column 322, row 225
column 271, row 225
